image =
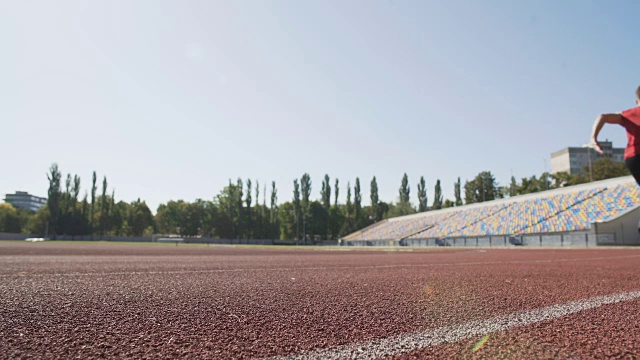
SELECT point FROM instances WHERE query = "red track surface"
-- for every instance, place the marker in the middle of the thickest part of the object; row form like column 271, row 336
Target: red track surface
column 77, row 300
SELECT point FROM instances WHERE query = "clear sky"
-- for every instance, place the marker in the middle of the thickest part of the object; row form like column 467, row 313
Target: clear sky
column 171, row 99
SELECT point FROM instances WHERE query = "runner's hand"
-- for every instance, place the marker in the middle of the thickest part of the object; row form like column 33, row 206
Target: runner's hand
column 595, row 144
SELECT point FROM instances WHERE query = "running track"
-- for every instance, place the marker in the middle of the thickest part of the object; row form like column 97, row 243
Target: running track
column 145, row 301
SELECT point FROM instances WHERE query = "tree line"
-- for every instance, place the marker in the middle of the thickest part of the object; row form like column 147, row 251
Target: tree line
column 97, row 213
column 246, row 209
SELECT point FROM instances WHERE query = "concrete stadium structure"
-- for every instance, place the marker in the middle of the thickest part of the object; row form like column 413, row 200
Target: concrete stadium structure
column 598, row 213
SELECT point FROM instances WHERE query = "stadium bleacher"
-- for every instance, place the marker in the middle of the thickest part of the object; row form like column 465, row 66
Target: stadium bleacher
column 556, row 211
column 398, row 228
column 459, row 221
column 601, row 207
column 521, row 216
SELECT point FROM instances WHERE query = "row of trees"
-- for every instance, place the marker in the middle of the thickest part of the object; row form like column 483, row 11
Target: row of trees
column 94, row 214
column 14, row 220
column 236, row 212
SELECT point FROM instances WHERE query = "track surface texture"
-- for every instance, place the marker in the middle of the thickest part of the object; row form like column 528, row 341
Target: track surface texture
column 62, row 300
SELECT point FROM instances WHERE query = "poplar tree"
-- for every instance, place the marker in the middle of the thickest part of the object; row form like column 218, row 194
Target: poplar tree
column 404, row 204
column 274, row 203
column 93, row 201
column 349, row 209
column 357, row 202
column 54, row 197
column 336, row 191
column 456, row 190
column 325, row 193
column 437, row 196
column 513, row 187
column 296, row 205
column 374, row 200
column 104, row 207
column 240, row 211
column 305, row 188
column 248, row 201
column 422, row 195
column 405, row 190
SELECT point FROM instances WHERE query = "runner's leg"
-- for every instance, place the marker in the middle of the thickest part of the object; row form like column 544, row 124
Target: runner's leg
column 633, row 164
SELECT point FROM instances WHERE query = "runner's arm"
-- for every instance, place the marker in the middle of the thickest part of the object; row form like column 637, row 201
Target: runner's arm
column 597, row 126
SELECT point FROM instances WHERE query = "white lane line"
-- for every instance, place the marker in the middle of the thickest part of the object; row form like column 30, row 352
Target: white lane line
column 448, row 334
column 328, row 267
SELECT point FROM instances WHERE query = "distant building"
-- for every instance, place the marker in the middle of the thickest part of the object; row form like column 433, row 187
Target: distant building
column 26, row 201
column 574, row 160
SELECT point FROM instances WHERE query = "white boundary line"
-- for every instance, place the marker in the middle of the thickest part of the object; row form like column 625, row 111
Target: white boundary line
column 327, row 267
column 448, row 334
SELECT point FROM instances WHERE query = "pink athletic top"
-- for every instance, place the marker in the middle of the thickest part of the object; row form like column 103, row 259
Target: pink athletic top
column 631, row 122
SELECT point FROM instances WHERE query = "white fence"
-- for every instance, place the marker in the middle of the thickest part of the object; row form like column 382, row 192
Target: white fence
column 183, row 240
column 538, row 240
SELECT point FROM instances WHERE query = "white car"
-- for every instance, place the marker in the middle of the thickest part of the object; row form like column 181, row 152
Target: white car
column 36, row 239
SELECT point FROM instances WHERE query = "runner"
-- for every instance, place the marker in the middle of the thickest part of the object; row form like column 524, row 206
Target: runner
column 630, row 120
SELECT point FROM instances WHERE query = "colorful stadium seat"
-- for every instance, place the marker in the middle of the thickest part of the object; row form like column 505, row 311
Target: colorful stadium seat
column 549, row 212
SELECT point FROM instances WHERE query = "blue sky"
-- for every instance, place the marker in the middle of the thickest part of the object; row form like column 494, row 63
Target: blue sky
column 171, row 99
